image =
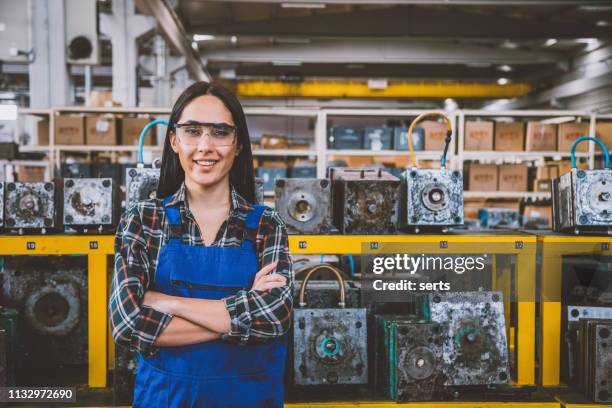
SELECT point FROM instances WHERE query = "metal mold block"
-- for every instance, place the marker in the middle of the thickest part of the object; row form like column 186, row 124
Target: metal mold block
column 574, row 314
column 416, row 360
column 141, row 184
column 431, row 197
column 30, row 205
column 304, row 205
column 602, row 382
column 478, row 351
column 364, row 201
column 89, row 201
column 330, row 346
column 259, row 190
column 582, row 201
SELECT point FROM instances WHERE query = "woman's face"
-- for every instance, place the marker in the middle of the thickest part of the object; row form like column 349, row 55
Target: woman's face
column 206, row 162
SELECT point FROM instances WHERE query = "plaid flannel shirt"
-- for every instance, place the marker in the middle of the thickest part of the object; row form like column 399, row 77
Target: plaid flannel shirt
column 255, row 316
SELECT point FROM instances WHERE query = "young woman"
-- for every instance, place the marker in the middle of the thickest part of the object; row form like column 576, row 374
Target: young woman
column 203, row 279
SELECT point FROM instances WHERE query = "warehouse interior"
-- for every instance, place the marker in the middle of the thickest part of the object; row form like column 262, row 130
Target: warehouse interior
column 461, row 131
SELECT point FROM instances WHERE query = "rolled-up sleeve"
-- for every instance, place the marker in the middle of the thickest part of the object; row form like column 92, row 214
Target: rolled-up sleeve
column 258, row 316
column 133, row 324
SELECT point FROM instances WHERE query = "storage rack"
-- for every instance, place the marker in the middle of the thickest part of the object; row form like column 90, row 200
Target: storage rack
column 321, row 153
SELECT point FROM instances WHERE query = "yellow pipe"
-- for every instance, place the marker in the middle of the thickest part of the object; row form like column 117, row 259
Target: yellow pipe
column 449, row 127
column 354, row 89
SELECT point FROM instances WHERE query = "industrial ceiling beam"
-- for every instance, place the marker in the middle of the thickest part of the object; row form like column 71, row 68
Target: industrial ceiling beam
column 353, row 89
column 177, row 37
column 379, row 52
column 414, row 22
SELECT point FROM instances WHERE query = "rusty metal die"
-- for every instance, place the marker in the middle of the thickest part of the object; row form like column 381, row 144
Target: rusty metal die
column 53, row 310
column 52, row 293
column 582, row 201
column 416, row 360
column 141, row 184
column 90, row 201
column 330, row 345
column 364, row 201
column 478, row 351
column 30, row 206
column 304, row 205
column 595, row 360
column 575, row 313
column 124, row 375
column 431, row 198
column 259, row 190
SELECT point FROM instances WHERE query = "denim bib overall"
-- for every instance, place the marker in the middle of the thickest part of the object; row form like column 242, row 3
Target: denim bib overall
column 215, row 373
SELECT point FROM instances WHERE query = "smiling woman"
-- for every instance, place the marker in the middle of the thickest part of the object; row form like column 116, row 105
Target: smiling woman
column 203, row 279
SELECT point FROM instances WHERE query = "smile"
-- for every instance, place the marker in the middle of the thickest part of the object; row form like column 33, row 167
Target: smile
column 205, row 163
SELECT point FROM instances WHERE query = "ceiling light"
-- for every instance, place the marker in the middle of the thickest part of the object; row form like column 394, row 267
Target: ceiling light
column 194, row 45
column 602, row 23
column 550, row 42
column 450, row 104
column 8, row 112
column 287, row 63
column 233, row 39
column 505, row 68
column 502, row 81
column 509, row 45
column 303, row 5
column 203, row 37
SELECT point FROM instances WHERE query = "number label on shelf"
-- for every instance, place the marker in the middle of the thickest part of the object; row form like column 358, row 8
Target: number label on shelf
column 31, row 245
column 93, row 244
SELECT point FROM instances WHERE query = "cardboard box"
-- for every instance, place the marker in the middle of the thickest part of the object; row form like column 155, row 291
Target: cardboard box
column 101, row 130
column 509, row 136
column 566, row 165
column 541, row 137
column 512, row 177
column 273, row 163
column 435, row 134
column 27, row 174
column 8, row 151
column 478, row 135
column 541, row 185
column 569, row 132
column 482, row 177
column 130, row 131
column 273, row 142
column 547, row 172
column 42, row 132
column 298, row 146
column 102, row 99
column 603, row 131
column 69, row 130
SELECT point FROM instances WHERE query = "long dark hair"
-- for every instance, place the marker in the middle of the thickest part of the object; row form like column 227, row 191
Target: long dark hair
column 241, row 174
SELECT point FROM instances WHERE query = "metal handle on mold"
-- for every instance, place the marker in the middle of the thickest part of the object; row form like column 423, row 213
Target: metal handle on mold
column 601, row 144
column 338, row 276
column 143, row 133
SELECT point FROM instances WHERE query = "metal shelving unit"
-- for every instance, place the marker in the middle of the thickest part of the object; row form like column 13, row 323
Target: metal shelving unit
column 320, row 152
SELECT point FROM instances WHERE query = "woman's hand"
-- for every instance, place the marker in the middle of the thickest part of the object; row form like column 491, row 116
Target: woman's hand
column 264, row 282
column 159, row 301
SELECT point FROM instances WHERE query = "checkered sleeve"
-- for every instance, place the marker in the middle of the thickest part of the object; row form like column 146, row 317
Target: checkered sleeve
column 258, row 316
column 132, row 323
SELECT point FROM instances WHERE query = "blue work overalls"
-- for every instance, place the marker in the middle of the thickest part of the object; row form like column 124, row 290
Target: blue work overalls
column 215, row 373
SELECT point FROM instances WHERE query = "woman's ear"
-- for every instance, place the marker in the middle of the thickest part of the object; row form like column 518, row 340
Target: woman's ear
column 174, row 142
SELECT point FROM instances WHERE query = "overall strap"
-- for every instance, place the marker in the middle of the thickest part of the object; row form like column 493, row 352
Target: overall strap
column 251, row 224
column 173, row 215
